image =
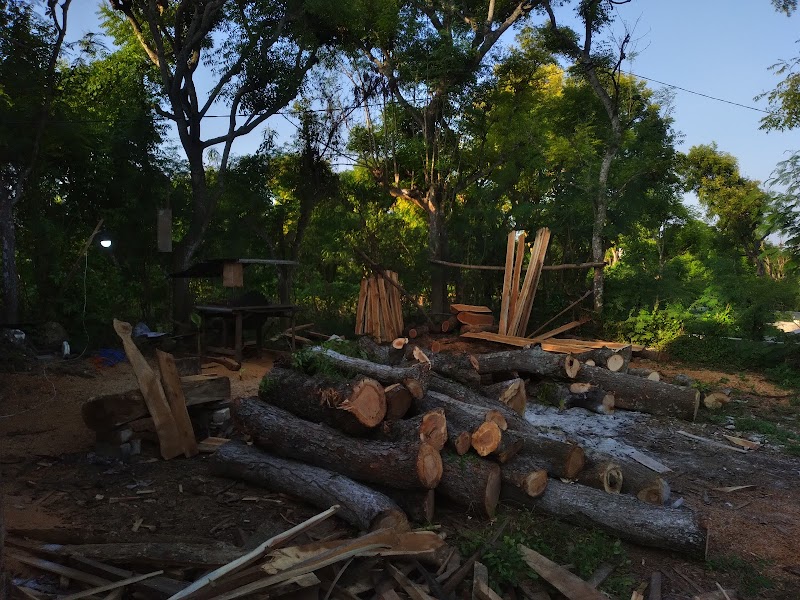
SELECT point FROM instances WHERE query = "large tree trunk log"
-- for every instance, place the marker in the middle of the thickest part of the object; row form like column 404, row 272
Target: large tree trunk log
column 452, row 366
column 644, row 373
column 471, row 481
column 360, row 506
column 643, row 395
column 101, row 413
column 531, row 360
column 576, row 395
column 512, row 393
column 466, row 418
column 430, row 428
column 404, row 465
column 383, row 354
column 354, row 406
column 415, row 378
column 606, row 476
column 619, row 514
column 398, row 401
column 532, row 482
column 559, row 459
column 419, row 505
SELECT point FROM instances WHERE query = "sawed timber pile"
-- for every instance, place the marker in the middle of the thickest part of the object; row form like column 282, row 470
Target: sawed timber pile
column 390, row 436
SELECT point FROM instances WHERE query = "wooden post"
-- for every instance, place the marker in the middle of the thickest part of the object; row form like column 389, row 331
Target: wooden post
column 164, row 230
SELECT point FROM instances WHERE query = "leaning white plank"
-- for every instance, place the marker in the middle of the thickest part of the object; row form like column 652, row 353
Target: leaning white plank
column 712, row 442
column 253, row 555
column 111, row 586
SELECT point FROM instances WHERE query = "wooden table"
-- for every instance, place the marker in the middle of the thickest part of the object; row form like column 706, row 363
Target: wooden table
column 239, row 315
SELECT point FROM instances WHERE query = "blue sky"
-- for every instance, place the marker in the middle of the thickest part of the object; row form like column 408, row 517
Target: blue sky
column 721, row 49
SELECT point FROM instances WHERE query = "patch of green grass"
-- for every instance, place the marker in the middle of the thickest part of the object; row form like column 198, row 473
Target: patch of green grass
column 793, row 449
column 583, row 549
column 751, row 581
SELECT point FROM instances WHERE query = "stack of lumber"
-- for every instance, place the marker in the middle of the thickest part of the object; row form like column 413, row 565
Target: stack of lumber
column 168, row 407
column 411, row 562
column 379, row 312
column 517, row 302
column 390, row 439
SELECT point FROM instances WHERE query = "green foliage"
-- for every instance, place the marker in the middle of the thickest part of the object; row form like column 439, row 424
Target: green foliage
column 315, row 363
column 585, row 549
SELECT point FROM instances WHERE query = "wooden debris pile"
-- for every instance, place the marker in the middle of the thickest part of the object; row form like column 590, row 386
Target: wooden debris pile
column 415, row 563
column 174, row 407
column 390, row 437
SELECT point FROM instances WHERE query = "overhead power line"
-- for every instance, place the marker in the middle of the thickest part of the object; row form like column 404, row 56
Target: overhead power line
column 683, row 89
column 286, row 113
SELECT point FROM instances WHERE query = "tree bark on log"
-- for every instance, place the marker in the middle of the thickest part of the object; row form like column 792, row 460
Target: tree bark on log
column 430, row 428
column 469, row 418
column 643, row 395
column 471, row 482
column 403, row 465
column 452, row 366
column 101, row 413
column 354, row 407
column 415, row 378
column 576, row 395
column 512, row 393
column 529, row 360
column 419, row 505
column 618, row 514
column 383, row 354
column 361, row 506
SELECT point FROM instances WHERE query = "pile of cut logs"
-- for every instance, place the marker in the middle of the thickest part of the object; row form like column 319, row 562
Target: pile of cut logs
column 389, row 437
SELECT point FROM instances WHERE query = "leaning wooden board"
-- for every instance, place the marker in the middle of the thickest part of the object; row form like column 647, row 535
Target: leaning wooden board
column 166, row 428
column 177, row 402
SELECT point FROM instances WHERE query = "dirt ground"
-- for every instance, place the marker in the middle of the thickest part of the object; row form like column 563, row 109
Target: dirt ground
column 52, row 480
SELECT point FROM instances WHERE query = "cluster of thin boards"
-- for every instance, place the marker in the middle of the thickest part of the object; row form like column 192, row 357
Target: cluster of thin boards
column 386, row 564
column 379, row 311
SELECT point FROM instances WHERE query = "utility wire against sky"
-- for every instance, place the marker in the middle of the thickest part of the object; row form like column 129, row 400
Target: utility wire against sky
column 285, row 113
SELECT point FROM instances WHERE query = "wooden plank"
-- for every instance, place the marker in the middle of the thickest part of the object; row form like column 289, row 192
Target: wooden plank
column 572, row 586
column 505, row 302
column 150, row 386
column 375, row 310
column 177, row 402
column 519, row 259
column 457, row 308
column 387, row 330
column 58, row 569
column 515, row 318
column 480, row 574
column 396, row 302
column 508, row 340
column 571, row 325
column 362, row 300
column 414, row 591
column 538, row 261
column 211, row 444
column 233, row 274
column 111, row 586
column 713, row 443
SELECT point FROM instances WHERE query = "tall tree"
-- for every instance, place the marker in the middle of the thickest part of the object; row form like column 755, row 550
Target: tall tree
column 258, row 53
column 743, row 211
column 427, row 56
column 601, row 69
column 29, row 52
